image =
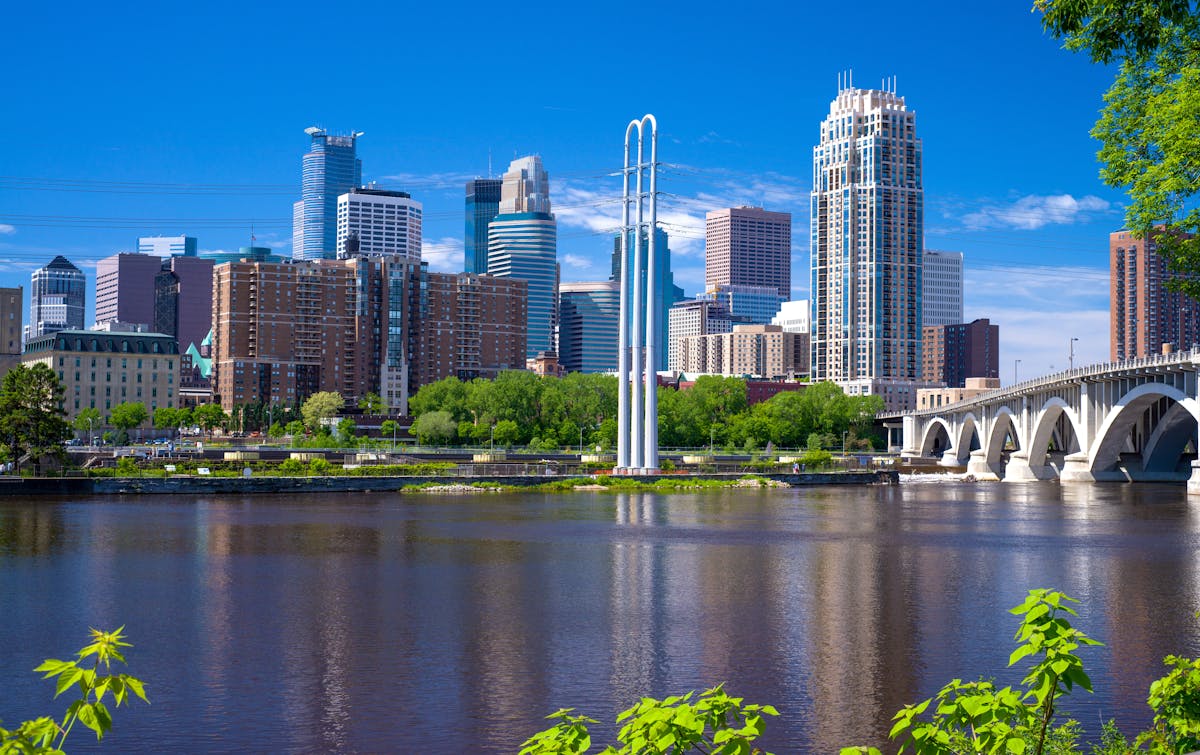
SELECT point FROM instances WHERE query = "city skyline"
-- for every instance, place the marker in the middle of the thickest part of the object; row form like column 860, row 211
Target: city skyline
column 1027, row 208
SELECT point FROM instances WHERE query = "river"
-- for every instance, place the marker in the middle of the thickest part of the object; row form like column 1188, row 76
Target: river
column 447, row 624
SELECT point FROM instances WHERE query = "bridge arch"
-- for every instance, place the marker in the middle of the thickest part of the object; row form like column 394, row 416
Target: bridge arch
column 1047, row 427
column 968, row 437
column 1162, row 446
column 937, row 437
column 1002, row 426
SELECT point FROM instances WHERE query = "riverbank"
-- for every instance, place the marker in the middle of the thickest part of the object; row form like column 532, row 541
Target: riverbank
column 201, row 485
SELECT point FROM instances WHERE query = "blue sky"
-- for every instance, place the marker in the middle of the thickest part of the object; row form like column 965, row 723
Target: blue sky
column 138, row 119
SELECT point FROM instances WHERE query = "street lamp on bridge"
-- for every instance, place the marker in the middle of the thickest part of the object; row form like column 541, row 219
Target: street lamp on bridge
column 1015, row 363
column 1071, row 353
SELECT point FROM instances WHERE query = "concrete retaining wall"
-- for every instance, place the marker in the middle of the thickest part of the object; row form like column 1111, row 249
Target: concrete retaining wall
column 245, row 485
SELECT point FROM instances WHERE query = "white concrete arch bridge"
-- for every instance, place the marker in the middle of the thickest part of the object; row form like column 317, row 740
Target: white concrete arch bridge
column 1133, row 421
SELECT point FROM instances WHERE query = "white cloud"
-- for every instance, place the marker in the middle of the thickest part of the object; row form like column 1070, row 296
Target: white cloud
column 6, row 229
column 576, row 261
column 444, row 255
column 1035, row 211
column 1038, row 315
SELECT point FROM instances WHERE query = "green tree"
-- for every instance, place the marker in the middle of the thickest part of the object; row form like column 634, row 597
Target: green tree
column 1149, row 141
column 87, row 420
column 434, row 427
column 389, row 429
column 275, row 431
column 294, row 428
column 127, row 416
column 506, row 433
column 31, row 414
column 209, row 416
column 711, row 722
column 345, row 430
column 320, row 406
column 372, row 403
column 166, row 418
column 45, row 735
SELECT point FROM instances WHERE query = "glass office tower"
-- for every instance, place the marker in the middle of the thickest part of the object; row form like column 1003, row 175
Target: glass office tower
column 483, row 204
column 330, row 168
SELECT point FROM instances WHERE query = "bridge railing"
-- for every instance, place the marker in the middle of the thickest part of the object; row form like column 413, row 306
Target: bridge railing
column 1064, row 376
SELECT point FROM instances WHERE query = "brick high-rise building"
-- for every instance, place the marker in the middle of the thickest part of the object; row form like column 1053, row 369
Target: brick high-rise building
column 950, row 354
column 696, row 317
column 749, row 246
column 471, row 326
column 11, row 302
column 1144, row 313
column 763, row 351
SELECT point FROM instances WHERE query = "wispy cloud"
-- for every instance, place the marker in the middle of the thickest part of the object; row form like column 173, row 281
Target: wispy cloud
column 1038, row 316
column 444, row 255
column 576, row 261
column 7, row 230
column 1034, row 211
column 416, row 183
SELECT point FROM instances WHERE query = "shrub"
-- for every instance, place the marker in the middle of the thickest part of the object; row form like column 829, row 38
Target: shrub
column 291, row 467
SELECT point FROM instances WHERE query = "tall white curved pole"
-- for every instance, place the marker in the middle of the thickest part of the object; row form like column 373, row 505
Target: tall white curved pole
column 637, row 411
column 623, row 329
column 651, row 422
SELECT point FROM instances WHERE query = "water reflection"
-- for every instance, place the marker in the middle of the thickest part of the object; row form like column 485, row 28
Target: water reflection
column 384, row 622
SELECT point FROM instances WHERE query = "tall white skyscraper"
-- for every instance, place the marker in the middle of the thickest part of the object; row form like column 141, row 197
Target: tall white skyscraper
column 523, row 243
column 942, row 288
column 374, row 222
column 866, row 246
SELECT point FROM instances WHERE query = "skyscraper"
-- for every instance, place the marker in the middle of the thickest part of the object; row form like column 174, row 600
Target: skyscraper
column 330, row 168
column 589, row 313
column 866, row 247
column 374, row 222
column 183, row 299
column 57, row 298
column 168, row 246
column 523, row 243
column 749, row 246
column 11, row 302
column 124, row 286
column 1144, row 313
column 483, row 204
column 951, row 354
column 666, row 293
column 942, row 289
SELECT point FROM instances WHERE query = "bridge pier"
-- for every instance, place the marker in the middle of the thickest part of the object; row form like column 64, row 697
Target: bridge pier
column 950, row 459
column 1019, row 470
column 978, row 467
column 1075, row 468
column 1193, row 483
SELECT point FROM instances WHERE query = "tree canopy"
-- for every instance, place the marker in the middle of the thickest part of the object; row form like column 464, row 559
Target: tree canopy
column 319, row 406
column 1150, row 143
column 32, row 419
column 128, row 415
column 520, row 408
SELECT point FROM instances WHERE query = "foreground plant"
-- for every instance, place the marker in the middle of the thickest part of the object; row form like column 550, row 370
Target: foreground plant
column 714, row 723
column 966, row 717
column 45, row 735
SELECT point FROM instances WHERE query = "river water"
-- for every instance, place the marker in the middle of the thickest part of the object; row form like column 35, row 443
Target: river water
column 446, row 624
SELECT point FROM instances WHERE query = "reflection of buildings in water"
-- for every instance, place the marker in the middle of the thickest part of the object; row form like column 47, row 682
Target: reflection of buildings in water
column 214, row 606
column 1144, row 577
column 503, row 671
column 636, row 605
column 31, row 530
column 863, row 621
